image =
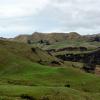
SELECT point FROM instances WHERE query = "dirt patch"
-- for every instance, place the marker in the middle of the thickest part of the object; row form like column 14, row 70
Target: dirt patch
column 97, row 70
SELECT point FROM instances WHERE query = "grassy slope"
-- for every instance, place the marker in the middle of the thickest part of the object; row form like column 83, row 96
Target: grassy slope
column 23, row 51
column 53, row 93
column 74, row 43
column 20, row 75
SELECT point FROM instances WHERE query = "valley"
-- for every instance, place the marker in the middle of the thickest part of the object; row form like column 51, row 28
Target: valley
column 57, row 66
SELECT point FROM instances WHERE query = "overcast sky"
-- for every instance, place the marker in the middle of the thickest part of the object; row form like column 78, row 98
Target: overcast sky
column 28, row 16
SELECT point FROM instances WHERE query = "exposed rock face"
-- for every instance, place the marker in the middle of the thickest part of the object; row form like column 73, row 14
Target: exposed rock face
column 92, row 38
column 90, row 59
column 84, row 57
column 89, row 67
column 51, row 50
column 72, row 49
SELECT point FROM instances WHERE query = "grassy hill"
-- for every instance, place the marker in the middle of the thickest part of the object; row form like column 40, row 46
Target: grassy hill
column 12, row 51
column 74, row 43
column 21, row 77
column 49, row 37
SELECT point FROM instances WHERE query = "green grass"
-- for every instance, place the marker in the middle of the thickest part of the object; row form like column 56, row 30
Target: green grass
column 11, row 51
column 74, row 43
column 53, row 93
column 20, row 74
column 34, row 74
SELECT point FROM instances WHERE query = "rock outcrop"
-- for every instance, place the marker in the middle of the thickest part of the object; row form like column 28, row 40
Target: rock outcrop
column 90, row 59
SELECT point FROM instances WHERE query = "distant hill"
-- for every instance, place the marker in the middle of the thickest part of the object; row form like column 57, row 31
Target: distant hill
column 21, row 38
column 51, row 37
column 1, row 38
column 94, row 37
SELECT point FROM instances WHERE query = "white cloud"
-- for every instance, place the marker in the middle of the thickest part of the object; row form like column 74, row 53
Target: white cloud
column 77, row 14
column 19, row 8
column 26, row 16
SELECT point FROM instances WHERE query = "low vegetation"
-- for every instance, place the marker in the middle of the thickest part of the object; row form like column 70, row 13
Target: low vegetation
column 30, row 73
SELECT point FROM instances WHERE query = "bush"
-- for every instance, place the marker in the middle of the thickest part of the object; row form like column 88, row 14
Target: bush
column 27, row 97
column 67, row 85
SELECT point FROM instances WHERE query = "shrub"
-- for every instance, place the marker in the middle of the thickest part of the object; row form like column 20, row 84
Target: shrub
column 27, row 97
column 67, row 85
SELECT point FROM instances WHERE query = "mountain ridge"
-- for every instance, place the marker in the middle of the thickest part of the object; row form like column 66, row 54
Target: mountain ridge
column 55, row 37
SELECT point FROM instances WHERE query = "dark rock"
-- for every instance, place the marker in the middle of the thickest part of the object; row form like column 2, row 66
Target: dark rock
column 72, row 49
column 27, row 97
column 90, row 59
column 67, row 85
column 51, row 50
column 55, row 63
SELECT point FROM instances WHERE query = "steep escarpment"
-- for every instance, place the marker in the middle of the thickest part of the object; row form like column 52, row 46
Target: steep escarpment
column 82, row 57
column 90, row 59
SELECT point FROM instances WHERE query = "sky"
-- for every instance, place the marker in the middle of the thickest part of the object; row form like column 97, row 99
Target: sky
column 28, row 16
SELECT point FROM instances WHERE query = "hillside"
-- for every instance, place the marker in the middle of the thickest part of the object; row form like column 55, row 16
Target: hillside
column 49, row 37
column 21, row 38
column 31, row 73
column 28, row 72
column 24, row 51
